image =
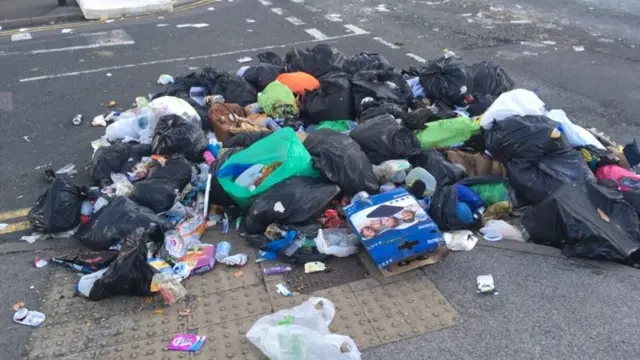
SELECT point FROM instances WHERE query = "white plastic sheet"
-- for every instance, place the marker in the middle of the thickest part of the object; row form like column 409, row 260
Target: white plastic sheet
column 302, row 333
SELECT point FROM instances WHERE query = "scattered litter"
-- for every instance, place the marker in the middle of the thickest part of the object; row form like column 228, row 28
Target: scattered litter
column 99, row 121
column 26, row 138
column 17, row 306
column 108, row 74
column 249, row 21
column 110, row 21
column 69, row 169
column 165, row 79
column 184, row 313
column 277, row 270
column 77, row 120
column 282, row 289
column 578, row 48
column 460, row 240
column 485, row 284
column 162, row 25
column 29, row 317
column 520, row 22
column 315, row 266
column 3, row 226
column 382, row 8
column 66, row 31
column 210, row 8
column 186, row 342
column 245, row 59
column 238, row 274
column 40, row 262
column 111, row 103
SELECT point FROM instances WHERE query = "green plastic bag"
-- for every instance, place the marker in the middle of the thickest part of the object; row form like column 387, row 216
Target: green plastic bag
column 281, row 146
column 491, row 193
column 337, row 125
column 277, row 100
column 448, row 132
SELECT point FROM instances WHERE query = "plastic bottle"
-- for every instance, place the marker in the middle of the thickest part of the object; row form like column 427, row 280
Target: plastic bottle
column 208, row 157
column 423, row 175
column 85, row 212
column 249, row 176
column 277, row 270
column 222, row 250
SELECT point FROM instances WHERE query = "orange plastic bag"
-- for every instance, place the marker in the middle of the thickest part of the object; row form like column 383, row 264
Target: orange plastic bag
column 299, row 82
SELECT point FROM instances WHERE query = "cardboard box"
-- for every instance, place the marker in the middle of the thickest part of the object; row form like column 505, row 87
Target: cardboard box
column 392, row 227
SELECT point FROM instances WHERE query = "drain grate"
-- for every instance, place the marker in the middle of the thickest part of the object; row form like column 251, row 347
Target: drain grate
column 339, row 272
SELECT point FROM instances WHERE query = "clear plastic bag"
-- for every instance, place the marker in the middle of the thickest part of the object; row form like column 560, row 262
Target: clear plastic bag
column 506, row 230
column 337, row 242
column 170, row 288
column 302, row 333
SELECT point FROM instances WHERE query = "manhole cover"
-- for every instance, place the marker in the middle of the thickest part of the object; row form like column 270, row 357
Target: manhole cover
column 339, row 271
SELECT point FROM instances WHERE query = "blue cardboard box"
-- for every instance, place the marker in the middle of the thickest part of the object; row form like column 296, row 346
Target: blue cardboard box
column 392, row 226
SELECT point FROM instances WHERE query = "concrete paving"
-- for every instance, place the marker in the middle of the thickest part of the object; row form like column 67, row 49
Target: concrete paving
column 548, row 307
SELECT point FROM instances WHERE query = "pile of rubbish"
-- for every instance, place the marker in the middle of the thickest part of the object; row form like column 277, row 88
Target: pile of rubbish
column 318, row 154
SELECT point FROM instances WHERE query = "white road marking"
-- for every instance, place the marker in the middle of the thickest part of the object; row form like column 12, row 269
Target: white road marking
column 294, row 20
column 316, row 34
column 277, row 11
column 266, row 2
column 416, row 58
column 356, row 30
column 386, row 43
column 333, row 17
column 168, row 61
column 117, row 37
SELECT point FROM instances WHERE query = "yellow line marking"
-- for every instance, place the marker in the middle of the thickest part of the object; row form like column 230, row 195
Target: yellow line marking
column 93, row 22
column 8, row 215
column 22, row 225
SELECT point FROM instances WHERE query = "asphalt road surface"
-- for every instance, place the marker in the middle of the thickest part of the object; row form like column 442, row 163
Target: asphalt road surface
column 580, row 56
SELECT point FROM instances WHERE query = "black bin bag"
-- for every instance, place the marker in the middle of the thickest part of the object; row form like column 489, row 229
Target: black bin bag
column 587, row 220
column 340, row 159
column 488, row 78
column 259, row 76
column 332, row 101
column 382, row 139
column 129, row 274
column 175, row 135
column 445, row 79
column 381, row 85
column 297, row 200
column 435, row 163
column 366, row 61
column 233, row 88
column 118, row 220
column 115, row 159
column 534, row 181
column 317, row 61
column 217, row 195
column 372, row 109
column 524, row 138
column 442, row 210
column 159, row 190
column 58, row 209
column 245, row 139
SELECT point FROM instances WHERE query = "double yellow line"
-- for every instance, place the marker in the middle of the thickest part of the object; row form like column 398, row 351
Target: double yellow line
column 15, row 219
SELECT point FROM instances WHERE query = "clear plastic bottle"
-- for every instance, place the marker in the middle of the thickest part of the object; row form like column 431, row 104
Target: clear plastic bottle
column 423, row 175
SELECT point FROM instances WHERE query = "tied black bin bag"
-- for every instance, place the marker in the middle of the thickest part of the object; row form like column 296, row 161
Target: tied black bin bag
column 445, row 79
column 317, row 61
column 488, row 78
column 159, row 190
column 115, row 159
column 382, row 139
column 117, row 221
column 58, row 209
column 233, row 88
column 382, row 85
column 332, row 101
column 260, row 76
column 270, row 57
column 374, row 109
column 524, row 137
column 366, row 61
column 175, row 135
column 297, row 200
column 586, row 220
column 129, row 274
column 534, row 181
column 340, row 159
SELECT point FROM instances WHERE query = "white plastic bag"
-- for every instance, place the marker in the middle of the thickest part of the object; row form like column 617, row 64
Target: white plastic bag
column 170, row 105
column 460, row 240
column 515, row 102
column 576, row 134
column 508, row 231
column 337, row 242
column 302, row 333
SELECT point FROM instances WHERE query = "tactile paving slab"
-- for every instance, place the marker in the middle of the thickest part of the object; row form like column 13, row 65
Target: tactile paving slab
column 339, row 271
column 228, row 340
column 229, row 305
column 152, row 348
column 406, row 308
